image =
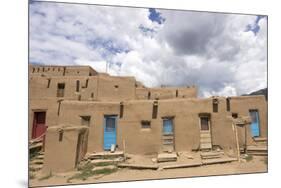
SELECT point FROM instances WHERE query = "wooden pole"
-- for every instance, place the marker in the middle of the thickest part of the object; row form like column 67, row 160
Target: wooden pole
column 237, row 143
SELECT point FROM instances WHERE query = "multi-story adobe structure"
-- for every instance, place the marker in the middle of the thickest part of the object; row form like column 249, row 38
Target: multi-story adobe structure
column 86, row 111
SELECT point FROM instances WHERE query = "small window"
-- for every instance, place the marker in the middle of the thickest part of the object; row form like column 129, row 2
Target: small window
column 92, row 95
column 60, row 90
column 204, row 121
column 33, row 70
column 215, row 105
column 234, row 115
column 87, row 81
column 145, row 125
column 116, row 86
column 60, row 136
column 228, row 104
column 85, row 120
column 148, row 95
column 177, row 93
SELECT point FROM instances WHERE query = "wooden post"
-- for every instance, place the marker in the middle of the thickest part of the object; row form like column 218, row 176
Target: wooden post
column 124, row 149
column 237, row 143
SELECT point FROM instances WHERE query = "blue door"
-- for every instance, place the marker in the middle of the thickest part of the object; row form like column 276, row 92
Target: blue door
column 255, row 127
column 109, row 136
column 167, row 126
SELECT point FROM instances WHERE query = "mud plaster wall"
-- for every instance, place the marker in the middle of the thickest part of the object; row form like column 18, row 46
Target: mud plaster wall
column 51, row 108
column 60, row 156
column 72, row 112
column 166, row 93
column 148, row 141
column 116, row 88
column 242, row 105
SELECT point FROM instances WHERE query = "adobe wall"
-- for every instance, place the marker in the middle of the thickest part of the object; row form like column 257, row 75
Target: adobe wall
column 39, row 70
column 60, row 156
column 51, row 108
column 243, row 104
column 116, row 88
column 166, row 92
column 148, row 141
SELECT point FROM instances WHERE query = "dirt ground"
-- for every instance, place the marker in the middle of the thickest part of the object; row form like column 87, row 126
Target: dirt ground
column 257, row 164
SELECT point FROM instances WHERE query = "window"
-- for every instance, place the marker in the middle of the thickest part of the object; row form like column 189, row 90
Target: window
column 110, row 124
column 215, row 105
column 228, row 104
column 204, row 121
column 92, row 95
column 234, row 115
column 77, row 85
column 168, row 126
column 177, row 93
column 116, row 86
column 145, row 124
column 148, row 95
column 85, row 120
column 60, row 90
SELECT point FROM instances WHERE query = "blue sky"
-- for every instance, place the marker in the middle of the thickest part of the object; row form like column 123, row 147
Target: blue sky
column 224, row 54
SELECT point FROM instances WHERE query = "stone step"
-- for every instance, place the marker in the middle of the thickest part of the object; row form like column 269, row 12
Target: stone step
column 36, row 145
column 138, row 166
column 39, row 157
column 107, row 161
column 166, row 157
column 36, row 167
column 37, row 161
column 110, row 167
column 217, row 161
column 105, row 155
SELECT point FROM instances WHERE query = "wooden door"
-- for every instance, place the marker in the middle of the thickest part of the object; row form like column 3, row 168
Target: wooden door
column 39, row 124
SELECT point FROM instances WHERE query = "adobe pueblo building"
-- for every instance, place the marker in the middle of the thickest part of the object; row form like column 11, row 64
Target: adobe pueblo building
column 78, row 112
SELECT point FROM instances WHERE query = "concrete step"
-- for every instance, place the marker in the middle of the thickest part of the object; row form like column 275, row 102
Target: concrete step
column 105, row 155
column 138, row 166
column 166, row 157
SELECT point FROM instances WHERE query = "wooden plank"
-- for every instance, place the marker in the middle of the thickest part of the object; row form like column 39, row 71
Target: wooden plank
column 216, row 161
column 257, row 148
column 165, row 157
column 138, row 166
column 260, row 139
column 182, row 165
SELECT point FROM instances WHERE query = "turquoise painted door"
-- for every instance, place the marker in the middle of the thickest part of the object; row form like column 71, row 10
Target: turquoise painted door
column 109, row 136
column 167, row 126
column 255, row 127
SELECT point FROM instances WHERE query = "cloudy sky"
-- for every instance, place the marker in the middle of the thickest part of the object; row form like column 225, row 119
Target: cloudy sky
column 223, row 54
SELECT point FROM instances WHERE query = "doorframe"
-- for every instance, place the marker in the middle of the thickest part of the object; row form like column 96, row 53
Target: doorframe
column 33, row 115
column 259, row 124
column 104, row 124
